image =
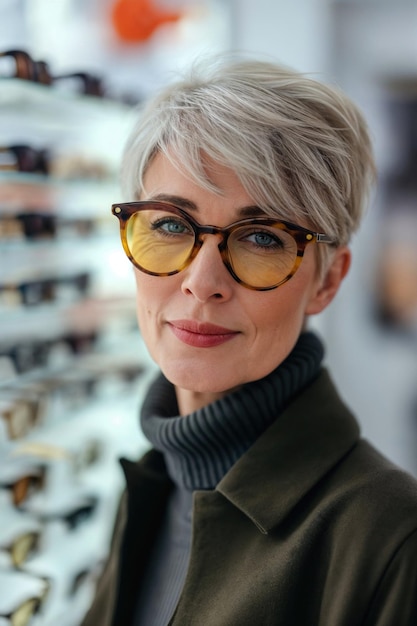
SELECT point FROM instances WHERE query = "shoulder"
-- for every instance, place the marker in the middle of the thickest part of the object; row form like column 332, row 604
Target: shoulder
column 372, row 489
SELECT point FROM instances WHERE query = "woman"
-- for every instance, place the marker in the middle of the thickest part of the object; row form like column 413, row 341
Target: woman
column 260, row 503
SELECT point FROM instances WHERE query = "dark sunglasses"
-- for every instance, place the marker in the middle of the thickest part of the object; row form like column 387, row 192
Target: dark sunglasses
column 23, row 66
column 48, row 289
column 34, row 225
column 24, row 158
column 31, row 354
column 81, row 82
column 76, row 517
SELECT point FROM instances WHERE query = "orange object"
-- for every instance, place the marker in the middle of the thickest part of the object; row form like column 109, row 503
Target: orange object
column 137, row 20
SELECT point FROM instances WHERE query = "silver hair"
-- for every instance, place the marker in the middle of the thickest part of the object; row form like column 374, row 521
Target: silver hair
column 300, row 148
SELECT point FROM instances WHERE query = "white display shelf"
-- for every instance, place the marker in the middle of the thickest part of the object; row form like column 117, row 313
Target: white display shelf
column 56, row 106
column 68, row 415
column 41, row 114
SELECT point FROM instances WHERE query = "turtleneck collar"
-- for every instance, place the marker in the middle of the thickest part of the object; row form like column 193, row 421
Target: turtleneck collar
column 201, row 447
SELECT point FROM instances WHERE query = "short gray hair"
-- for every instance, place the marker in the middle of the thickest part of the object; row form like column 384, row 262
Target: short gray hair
column 300, row 148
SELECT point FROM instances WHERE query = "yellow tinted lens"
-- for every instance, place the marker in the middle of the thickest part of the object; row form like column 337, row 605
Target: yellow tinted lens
column 22, row 547
column 23, row 615
column 159, row 241
column 262, row 256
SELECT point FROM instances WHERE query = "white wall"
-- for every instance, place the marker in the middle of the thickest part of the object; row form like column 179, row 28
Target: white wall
column 294, row 32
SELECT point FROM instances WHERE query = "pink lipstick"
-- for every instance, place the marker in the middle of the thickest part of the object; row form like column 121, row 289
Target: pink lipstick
column 200, row 334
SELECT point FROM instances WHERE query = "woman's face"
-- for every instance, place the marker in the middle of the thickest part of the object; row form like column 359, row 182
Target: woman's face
column 206, row 332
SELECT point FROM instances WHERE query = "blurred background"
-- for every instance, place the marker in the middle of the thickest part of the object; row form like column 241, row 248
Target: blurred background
column 72, row 367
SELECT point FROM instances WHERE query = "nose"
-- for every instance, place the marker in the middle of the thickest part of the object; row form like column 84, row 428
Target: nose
column 207, row 278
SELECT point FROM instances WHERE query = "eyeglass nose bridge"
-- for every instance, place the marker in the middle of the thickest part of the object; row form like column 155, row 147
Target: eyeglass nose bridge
column 200, row 231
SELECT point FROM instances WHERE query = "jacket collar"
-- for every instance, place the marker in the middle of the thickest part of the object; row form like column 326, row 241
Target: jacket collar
column 306, row 441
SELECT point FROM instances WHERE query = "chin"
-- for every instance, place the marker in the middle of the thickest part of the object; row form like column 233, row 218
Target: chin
column 199, row 380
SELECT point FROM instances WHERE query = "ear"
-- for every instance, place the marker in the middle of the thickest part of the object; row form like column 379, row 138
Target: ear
column 328, row 286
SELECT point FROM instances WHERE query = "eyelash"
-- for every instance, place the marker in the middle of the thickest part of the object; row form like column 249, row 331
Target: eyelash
column 159, row 224
column 275, row 241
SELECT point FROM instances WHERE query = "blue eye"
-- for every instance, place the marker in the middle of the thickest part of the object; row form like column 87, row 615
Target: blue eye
column 171, row 226
column 263, row 240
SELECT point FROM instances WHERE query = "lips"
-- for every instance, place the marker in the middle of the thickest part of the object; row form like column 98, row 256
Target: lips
column 201, row 334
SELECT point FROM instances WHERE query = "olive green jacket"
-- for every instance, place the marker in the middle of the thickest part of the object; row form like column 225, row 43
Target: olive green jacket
column 311, row 527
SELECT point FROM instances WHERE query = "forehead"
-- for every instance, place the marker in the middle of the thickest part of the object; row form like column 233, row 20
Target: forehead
column 219, row 197
column 202, row 171
column 166, row 179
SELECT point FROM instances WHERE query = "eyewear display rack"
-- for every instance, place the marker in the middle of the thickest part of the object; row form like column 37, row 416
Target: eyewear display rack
column 72, row 368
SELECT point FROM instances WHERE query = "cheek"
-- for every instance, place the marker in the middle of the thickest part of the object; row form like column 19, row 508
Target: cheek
column 143, row 312
column 285, row 306
column 282, row 314
column 145, row 295
column 153, row 295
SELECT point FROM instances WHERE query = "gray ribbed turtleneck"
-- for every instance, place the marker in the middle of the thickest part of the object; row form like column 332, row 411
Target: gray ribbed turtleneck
column 199, row 449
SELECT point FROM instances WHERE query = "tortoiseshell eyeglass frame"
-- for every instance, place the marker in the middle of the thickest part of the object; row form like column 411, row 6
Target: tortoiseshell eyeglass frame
column 302, row 237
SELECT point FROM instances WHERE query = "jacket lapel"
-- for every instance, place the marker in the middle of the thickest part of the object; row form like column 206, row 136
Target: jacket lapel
column 306, row 441
column 265, row 485
column 148, row 487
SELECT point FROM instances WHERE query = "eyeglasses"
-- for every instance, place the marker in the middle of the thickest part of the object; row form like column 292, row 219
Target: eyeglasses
column 24, row 158
column 25, row 486
column 22, row 616
column 33, row 353
column 31, row 225
column 76, row 517
column 20, row 413
column 260, row 253
column 83, row 83
column 36, row 225
column 32, row 292
column 24, row 67
column 25, row 594
column 22, row 547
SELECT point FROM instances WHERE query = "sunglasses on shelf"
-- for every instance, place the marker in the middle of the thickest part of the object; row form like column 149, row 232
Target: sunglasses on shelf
column 22, row 547
column 21, row 413
column 24, row 158
column 34, row 354
column 83, row 83
column 33, row 292
column 74, row 518
column 20, row 64
column 28, row 225
column 24, row 613
column 24, row 487
column 62, row 392
column 34, row 225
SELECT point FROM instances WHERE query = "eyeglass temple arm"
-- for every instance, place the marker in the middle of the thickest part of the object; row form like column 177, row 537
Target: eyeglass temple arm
column 322, row 238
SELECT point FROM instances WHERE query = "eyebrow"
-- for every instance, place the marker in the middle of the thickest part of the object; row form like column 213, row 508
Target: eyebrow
column 188, row 205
